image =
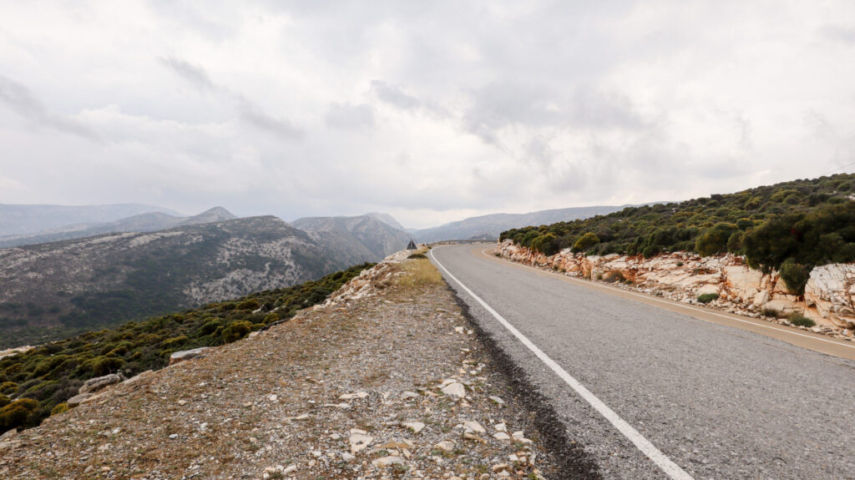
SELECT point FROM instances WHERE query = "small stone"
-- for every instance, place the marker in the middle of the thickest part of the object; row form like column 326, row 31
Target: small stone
column 351, row 396
column 173, row 436
column 501, row 427
column 398, row 443
column 472, row 426
column 454, row 389
column 359, row 441
column 416, row 427
column 386, row 461
column 407, row 395
column 445, row 445
column 501, row 436
column 497, row 400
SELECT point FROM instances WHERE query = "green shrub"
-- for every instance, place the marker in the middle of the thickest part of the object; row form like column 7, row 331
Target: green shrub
column 16, row 414
column 800, row 320
column 416, row 256
column 60, row 408
column 249, row 304
column 714, row 240
column 271, row 317
column 770, row 312
column 175, row 341
column 545, row 244
column 795, row 275
column 707, row 297
column 585, row 242
column 4, row 400
column 236, row 330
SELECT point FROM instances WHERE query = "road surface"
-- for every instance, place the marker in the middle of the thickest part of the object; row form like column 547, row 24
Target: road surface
column 653, row 392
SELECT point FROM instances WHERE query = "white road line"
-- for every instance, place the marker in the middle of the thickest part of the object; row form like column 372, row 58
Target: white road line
column 663, row 462
column 675, row 304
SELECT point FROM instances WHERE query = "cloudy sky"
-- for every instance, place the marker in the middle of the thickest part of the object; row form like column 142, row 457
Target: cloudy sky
column 431, row 111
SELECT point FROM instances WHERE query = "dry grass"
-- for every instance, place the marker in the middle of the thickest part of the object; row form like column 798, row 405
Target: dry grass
column 420, row 273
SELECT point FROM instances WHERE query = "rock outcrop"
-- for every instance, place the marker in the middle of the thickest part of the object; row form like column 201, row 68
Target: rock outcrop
column 829, row 297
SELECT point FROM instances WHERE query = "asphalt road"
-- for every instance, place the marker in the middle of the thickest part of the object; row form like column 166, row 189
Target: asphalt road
column 714, row 401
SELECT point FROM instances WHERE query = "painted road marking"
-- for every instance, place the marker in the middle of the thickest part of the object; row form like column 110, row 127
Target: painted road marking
column 663, row 462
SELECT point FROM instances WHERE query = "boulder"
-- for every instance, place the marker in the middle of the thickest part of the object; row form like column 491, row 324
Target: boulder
column 94, row 384
column 761, row 298
column 78, row 399
column 785, row 307
column 178, row 357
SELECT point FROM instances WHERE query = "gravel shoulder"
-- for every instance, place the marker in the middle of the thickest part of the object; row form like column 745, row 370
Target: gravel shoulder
column 387, row 380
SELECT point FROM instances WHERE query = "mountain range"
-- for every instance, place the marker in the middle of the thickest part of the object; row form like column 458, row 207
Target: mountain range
column 84, row 284
column 366, row 238
column 29, row 219
column 144, row 222
column 96, row 271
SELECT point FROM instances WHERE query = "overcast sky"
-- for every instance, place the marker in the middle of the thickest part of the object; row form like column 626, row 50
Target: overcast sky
column 431, row 111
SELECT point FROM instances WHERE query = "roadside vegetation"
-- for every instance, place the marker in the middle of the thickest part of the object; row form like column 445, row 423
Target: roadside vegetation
column 419, row 273
column 34, row 383
column 790, row 227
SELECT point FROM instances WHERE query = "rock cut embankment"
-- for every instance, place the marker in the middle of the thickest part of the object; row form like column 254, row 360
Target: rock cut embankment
column 829, row 298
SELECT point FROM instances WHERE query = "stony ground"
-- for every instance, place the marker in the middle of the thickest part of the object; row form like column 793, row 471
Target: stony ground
column 389, row 385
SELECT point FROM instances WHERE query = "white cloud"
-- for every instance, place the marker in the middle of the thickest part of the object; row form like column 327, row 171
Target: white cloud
column 429, row 111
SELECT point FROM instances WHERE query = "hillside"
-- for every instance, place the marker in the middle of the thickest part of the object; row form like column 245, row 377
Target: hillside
column 490, row 226
column 55, row 289
column 145, row 222
column 30, row 219
column 387, row 379
column 790, row 227
column 352, row 240
column 51, row 374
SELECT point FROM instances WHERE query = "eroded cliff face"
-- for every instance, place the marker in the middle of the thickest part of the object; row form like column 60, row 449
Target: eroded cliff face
column 829, row 297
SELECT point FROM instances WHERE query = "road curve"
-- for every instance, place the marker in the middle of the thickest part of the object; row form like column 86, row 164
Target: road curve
column 713, row 400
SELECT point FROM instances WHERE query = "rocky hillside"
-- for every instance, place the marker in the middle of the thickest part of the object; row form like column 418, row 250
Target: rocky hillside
column 489, row 227
column 145, row 222
column 54, row 373
column 30, row 219
column 56, row 289
column 388, row 380
column 352, row 240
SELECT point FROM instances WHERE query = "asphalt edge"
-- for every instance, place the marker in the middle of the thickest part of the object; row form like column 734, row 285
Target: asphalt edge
column 571, row 458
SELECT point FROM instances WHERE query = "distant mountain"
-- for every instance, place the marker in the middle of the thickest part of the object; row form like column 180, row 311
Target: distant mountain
column 388, row 220
column 96, row 282
column 488, row 227
column 353, row 240
column 29, row 219
column 146, row 222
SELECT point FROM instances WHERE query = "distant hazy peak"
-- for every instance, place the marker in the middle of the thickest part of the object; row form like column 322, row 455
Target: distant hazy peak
column 215, row 214
column 387, row 219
